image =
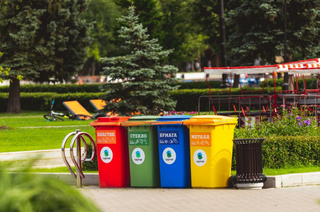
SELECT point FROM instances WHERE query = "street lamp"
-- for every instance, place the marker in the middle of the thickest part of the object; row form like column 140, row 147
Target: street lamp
column 224, row 82
column 285, row 85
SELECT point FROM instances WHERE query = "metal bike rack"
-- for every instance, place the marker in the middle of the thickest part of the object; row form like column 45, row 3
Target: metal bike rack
column 78, row 137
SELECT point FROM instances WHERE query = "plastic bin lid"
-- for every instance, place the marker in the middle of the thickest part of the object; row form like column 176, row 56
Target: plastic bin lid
column 139, row 120
column 210, row 120
column 110, row 121
column 143, row 118
column 175, row 119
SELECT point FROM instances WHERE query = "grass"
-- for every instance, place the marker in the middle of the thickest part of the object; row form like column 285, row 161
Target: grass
column 288, row 170
column 61, row 169
column 30, row 131
column 266, row 171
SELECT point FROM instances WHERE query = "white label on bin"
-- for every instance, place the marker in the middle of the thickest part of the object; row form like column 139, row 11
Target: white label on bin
column 169, row 156
column 106, row 154
column 138, row 156
column 200, row 157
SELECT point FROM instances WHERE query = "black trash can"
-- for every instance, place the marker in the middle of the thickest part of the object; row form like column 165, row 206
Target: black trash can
column 249, row 163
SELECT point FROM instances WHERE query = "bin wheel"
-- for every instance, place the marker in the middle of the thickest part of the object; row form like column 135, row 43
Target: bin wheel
column 232, row 181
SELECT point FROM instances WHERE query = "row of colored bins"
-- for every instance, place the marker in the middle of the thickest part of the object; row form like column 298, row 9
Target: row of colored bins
column 159, row 151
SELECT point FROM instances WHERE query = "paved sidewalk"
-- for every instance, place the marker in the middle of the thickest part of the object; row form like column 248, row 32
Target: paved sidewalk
column 293, row 199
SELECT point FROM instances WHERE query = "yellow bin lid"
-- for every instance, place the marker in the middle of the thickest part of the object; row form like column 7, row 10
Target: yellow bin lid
column 210, row 120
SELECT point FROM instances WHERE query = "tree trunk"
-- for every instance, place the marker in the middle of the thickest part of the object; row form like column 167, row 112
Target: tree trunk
column 14, row 96
column 93, row 68
column 236, row 81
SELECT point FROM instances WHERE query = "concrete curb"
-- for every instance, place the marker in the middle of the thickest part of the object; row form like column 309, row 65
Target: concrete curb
column 91, row 179
column 280, row 181
column 43, row 154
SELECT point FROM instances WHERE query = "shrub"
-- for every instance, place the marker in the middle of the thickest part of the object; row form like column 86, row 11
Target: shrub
column 288, row 151
column 25, row 191
column 88, row 165
column 290, row 123
column 199, row 85
column 310, row 82
column 58, row 88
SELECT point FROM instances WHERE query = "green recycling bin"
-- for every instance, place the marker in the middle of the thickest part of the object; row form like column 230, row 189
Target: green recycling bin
column 143, row 151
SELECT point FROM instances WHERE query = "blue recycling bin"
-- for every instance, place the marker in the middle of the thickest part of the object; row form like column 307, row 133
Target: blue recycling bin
column 174, row 151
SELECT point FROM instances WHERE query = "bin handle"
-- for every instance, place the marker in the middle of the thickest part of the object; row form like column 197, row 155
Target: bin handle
column 166, row 122
column 134, row 123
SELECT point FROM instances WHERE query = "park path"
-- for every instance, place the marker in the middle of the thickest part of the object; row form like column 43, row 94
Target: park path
column 293, row 199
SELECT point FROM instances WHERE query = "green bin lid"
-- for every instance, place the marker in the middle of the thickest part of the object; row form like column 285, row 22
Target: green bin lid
column 140, row 121
column 144, row 118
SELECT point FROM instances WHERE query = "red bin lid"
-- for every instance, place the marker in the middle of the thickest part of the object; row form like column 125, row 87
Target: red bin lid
column 110, row 121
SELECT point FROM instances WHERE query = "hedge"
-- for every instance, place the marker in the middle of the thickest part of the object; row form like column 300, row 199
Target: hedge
column 94, row 88
column 288, row 151
column 187, row 99
column 311, row 83
column 42, row 101
column 199, row 85
column 58, row 88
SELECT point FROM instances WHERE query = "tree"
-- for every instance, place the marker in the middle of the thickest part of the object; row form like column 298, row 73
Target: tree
column 145, row 86
column 103, row 14
column 171, row 23
column 42, row 39
column 3, row 72
column 259, row 30
column 149, row 12
column 206, row 14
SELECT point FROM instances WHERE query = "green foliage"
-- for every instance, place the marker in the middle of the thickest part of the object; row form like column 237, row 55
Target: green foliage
column 206, row 14
column 198, row 85
column 90, row 165
column 288, row 151
column 290, row 123
column 145, row 88
column 149, row 12
column 310, row 82
column 32, row 192
column 104, row 15
column 43, row 39
column 258, row 30
column 93, row 88
column 58, row 88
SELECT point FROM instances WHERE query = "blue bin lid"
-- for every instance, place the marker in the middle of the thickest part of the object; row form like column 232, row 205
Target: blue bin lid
column 174, row 118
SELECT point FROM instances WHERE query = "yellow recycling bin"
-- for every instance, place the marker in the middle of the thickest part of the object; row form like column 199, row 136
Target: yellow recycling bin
column 211, row 150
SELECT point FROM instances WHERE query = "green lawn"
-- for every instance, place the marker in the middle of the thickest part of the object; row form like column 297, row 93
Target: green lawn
column 268, row 172
column 30, row 131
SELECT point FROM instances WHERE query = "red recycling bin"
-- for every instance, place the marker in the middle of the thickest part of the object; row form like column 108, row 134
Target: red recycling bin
column 112, row 152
